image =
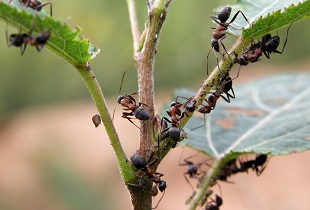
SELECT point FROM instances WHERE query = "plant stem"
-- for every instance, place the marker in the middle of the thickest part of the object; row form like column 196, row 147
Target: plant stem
column 205, row 184
column 92, row 85
column 133, row 24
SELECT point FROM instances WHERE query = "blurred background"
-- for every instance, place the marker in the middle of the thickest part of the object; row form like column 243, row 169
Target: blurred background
column 51, row 155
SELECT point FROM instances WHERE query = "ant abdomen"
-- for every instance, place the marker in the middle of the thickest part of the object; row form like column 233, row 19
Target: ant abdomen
column 138, row 161
column 174, row 133
column 272, row 44
column 141, row 114
column 224, row 14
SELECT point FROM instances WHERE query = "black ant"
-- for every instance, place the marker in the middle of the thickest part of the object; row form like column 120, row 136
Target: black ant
column 267, row 45
column 192, row 168
column 224, row 86
column 175, row 113
column 34, row 4
column 130, row 104
column 259, row 161
column 23, row 39
column 142, row 164
column 219, row 32
column 96, row 120
column 214, row 204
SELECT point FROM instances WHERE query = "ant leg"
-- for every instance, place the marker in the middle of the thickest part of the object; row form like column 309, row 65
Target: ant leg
column 285, row 39
column 159, row 200
column 125, row 115
column 204, row 123
column 168, row 3
column 208, row 61
column 184, row 174
column 7, row 36
column 44, row 4
column 22, row 49
column 235, row 16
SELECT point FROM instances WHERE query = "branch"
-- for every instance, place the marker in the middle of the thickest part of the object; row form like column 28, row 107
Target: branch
column 133, row 24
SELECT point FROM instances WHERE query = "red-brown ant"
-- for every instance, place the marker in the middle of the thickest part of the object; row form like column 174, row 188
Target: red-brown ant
column 142, row 164
column 267, row 45
column 130, row 104
column 224, row 86
column 174, row 130
column 192, row 168
column 22, row 40
column 34, row 4
column 219, row 32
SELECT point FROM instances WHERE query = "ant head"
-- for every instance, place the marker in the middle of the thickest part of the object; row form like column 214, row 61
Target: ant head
column 218, row 200
column 43, row 37
column 215, row 45
column 162, row 185
column 224, row 14
column 138, row 161
column 173, row 103
column 120, row 98
column 243, row 60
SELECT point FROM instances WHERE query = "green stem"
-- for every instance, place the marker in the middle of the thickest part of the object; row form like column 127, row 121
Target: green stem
column 92, row 85
column 205, row 184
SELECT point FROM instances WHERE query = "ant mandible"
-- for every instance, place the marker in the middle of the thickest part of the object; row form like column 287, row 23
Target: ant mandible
column 22, row 40
column 130, row 104
column 142, row 164
column 34, row 4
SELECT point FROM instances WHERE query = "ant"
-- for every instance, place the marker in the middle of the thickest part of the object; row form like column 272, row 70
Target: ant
column 192, row 168
column 219, row 32
column 175, row 113
column 267, row 45
column 259, row 161
column 34, row 4
column 130, row 104
column 214, row 204
column 142, row 164
column 23, row 39
column 96, row 120
column 224, row 86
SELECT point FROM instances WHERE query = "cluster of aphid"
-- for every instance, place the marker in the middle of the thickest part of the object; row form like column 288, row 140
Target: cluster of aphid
column 23, row 39
column 171, row 128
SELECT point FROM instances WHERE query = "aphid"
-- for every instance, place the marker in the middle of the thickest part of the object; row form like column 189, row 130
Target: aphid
column 96, row 120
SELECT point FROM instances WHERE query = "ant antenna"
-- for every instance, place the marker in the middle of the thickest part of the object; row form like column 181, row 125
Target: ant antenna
column 119, row 92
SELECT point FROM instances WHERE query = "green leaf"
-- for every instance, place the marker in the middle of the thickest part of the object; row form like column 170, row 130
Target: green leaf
column 271, row 115
column 266, row 16
column 67, row 43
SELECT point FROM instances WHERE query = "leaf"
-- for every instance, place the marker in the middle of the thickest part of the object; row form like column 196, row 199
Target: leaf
column 67, row 43
column 267, row 16
column 271, row 115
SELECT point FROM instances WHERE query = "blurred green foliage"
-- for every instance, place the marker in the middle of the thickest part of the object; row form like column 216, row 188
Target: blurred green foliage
column 38, row 78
